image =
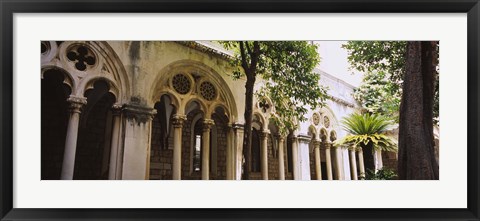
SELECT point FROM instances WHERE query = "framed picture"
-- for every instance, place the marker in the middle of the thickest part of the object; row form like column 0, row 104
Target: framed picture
column 113, row 39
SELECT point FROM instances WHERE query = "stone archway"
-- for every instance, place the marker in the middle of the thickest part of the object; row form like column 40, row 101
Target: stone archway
column 84, row 64
column 195, row 88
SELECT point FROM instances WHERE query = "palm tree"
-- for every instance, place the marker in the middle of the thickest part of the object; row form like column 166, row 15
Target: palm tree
column 367, row 131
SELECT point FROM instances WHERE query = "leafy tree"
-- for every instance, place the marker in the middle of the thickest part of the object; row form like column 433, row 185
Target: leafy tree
column 287, row 69
column 367, row 131
column 377, row 94
column 388, row 57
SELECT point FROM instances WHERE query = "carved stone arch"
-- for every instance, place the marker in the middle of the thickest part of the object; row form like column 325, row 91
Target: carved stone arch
column 262, row 120
column 333, row 136
column 174, row 100
column 88, row 82
column 323, row 135
column 313, row 132
column 184, row 105
column 203, row 72
column 222, row 105
column 68, row 80
column 105, row 63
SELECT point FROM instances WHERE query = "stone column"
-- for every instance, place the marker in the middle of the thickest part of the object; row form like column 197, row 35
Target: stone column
column 229, row 153
column 264, row 154
column 328, row 160
column 238, row 154
column 207, row 125
column 281, row 163
column 318, row 164
column 178, row 120
column 303, row 157
column 361, row 165
column 76, row 104
column 353, row 164
column 136, row 153
column 294, row 158
column 114, row 149
column 378, row 160
column 338, row 162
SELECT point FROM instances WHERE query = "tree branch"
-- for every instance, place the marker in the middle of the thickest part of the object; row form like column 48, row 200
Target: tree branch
column 244, row 59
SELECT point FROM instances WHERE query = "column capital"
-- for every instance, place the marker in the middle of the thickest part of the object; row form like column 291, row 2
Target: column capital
column 279, row 137
column 327, row 145
column 207, row 124
column 178, row 120
column 76, row 103
column 316, row 143
column 264, row 133
column 139, row 112
column 237, row 126
column 116, row 109
column 304, row 138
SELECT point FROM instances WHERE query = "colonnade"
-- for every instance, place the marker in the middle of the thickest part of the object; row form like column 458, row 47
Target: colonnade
column 118, row 169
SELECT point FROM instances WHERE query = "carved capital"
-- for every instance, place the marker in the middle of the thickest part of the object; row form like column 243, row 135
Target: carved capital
column 304, row 138
column 207, row 125
column 264, row 133
column 237, row 126
column 140, row 113
column 116, row 109
column 178, row 120
column 76, row 103
column 316, row 143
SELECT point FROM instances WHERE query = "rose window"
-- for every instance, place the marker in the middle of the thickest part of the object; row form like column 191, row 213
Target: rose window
column 45, row 46
column 316, row 119
column 208, row 91
column 181, row 83
column 326, row 121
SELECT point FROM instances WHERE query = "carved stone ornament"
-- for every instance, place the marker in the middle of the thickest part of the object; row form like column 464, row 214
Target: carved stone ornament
column 76, row 103
column 207, row 124
column 178, row 120
column 139, row 113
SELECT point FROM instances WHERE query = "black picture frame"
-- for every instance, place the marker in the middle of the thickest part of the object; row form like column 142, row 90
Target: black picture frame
column 9, row 7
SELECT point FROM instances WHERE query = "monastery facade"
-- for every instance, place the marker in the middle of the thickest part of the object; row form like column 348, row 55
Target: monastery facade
column 140, row 110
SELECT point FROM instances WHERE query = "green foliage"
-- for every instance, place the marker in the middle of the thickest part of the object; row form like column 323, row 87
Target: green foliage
column 387, row 57
column 367, row 129
column 381, row 174
column 287, row 69
column 377, row 94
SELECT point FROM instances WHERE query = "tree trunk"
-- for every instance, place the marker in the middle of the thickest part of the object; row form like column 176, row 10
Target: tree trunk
column 368, row 158
column 416, row 157
column 247, row 139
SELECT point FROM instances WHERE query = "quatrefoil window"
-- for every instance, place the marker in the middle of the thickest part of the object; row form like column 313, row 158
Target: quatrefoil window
column 208, row 91
column 82, row 57
column 181, row 83
column 264, row 106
